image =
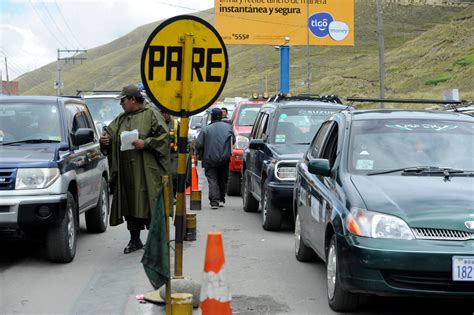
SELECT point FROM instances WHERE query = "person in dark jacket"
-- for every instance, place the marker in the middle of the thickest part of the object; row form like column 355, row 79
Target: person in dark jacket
column 214, row 146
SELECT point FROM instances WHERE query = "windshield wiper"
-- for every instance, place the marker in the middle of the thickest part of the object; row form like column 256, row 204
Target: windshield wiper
column 446, row 171
column 31, row 141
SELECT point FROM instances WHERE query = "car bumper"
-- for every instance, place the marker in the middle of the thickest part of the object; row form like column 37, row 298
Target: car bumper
column 236, row 160
column 25, row 212
column 281, row 195
column 402, row 268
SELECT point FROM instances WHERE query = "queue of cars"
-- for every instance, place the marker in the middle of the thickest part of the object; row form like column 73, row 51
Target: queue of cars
column 383, row 197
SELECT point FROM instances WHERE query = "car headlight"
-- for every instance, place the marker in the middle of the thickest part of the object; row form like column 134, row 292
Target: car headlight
column 241, row 142
column 35, row 178
column 286, row 170
column 377, row 225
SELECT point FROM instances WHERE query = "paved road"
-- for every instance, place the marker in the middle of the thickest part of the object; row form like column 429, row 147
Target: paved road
column 263, row 274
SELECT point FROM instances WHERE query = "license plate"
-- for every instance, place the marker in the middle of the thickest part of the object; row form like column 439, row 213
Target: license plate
column 463, row 268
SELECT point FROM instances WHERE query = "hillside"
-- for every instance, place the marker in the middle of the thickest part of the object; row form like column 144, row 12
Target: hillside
column 427, row 50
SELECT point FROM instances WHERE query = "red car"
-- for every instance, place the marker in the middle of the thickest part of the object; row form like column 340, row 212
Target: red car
column 243, row 119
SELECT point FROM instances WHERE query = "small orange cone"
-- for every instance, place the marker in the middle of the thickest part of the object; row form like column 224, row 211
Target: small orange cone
column 215, row 297
column 194, row 177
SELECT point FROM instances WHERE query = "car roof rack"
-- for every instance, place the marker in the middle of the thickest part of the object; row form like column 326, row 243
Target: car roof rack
column 403, row 100
column 306, row 97
column 97, row 92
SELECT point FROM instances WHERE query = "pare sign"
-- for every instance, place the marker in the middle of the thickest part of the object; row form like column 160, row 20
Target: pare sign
column 163, row 62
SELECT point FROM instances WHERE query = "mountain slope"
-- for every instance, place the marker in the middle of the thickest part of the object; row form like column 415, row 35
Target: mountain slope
column 427, row 50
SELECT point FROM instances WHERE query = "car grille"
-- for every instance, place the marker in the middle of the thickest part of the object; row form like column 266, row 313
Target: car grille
column 441, row 234
column 432, row 281
column 7, row 179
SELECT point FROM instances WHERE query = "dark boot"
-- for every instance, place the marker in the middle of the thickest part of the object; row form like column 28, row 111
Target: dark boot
column 135, row 242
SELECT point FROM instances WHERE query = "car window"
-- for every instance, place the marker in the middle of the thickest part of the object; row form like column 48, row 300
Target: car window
column 299, row 125
column 318, row 140
column 392, row 144
column 104, row 109
column 329, row 151
column 261, row 130
column 194, row 121
column 23, row 121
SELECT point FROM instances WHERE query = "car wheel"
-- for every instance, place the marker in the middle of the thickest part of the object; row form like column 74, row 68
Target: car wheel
column 250, row 203
column 302, row 252
column 271, row 216
column 233, row 184
column 61, row 239
column 339, row 299
column 96, row 218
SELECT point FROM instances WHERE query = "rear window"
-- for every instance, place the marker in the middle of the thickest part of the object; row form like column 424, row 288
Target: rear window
column 104, row 109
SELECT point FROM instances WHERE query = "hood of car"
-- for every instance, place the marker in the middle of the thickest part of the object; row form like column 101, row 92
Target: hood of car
column 422, row 201
column 20, row 154
column 289, row 151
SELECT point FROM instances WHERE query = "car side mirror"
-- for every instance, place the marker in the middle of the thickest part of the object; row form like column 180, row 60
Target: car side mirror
column 83, row 136
column 319, row 167
column 256, row 144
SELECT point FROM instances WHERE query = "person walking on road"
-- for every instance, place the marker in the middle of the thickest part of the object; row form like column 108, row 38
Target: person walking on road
column 214, row 147
column 136, row 170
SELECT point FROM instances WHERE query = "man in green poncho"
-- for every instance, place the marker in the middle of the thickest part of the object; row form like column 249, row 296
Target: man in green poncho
column 136, row 169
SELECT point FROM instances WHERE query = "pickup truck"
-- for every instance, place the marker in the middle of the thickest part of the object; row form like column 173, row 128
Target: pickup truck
column 51, row 171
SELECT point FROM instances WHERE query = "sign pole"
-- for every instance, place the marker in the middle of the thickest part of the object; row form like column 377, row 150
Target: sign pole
column 182, row 147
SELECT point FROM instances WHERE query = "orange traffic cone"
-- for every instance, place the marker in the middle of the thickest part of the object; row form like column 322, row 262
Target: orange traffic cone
column 215, row 295
column 194, row 177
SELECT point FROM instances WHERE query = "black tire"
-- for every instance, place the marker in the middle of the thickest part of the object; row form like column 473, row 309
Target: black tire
column 97, row 217
column 61, row 239
column 250, row 204
column 271, row 215
column 302, row 252
column 339, row 299
column 233, row 184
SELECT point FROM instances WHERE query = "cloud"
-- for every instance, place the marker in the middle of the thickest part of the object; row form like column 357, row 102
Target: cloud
column 33, row 30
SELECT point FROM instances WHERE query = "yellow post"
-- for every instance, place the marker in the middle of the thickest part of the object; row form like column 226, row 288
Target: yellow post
column 182, row 303
column 166, row 201
column 182, row 146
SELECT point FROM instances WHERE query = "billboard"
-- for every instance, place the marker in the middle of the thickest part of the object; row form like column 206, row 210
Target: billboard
column 273, row 22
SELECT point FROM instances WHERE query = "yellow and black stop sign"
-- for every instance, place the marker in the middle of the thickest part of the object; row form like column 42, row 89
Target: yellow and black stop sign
column 162, row 64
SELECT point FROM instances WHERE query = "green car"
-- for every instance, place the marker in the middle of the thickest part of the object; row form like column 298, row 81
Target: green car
column 386, row 199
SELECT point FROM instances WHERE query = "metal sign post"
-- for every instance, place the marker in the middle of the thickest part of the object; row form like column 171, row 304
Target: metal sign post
column 184, row 68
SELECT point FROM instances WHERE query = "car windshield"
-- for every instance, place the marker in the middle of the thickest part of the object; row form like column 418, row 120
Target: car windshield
column 29, row 121
column 299, row 125
column 247, row 115
column 194, row 120
column 104, row 109
column 384, row 145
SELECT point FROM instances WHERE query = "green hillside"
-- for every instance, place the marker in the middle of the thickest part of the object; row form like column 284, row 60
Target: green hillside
column 427, row 50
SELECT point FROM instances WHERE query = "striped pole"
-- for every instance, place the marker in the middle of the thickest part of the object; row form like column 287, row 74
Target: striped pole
column 182, row 147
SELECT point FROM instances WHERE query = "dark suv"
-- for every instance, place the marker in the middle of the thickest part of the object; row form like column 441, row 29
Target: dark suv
column 51, row 170
column 281, row 134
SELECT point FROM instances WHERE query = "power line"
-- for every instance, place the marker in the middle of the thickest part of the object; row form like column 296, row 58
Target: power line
column 67, row 25
column 56, row 24
column 49, row 30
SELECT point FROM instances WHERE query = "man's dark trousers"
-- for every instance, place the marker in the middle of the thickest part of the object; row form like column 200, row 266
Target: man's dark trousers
column 217, row 177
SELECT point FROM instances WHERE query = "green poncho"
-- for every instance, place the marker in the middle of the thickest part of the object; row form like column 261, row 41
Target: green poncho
column 136, row 175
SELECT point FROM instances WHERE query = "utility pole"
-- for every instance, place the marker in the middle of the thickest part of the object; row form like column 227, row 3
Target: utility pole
column 6, row 67
column 308, row 79
column 59, row 84
column 381, row 50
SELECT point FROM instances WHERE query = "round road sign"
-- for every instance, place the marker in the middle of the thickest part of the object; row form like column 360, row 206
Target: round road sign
column 162, row 64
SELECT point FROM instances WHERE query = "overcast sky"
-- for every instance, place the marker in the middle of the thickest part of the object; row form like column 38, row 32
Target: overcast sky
column 31, row 31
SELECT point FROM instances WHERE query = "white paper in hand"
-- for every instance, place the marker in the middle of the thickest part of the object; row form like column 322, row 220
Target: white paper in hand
column 126, row 139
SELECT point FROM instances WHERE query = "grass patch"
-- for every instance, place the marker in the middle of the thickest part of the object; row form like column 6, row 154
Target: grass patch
column 441, row 78
column 469, row 60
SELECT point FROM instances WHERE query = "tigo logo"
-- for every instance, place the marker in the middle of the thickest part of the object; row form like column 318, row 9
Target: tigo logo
column 319, row 24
